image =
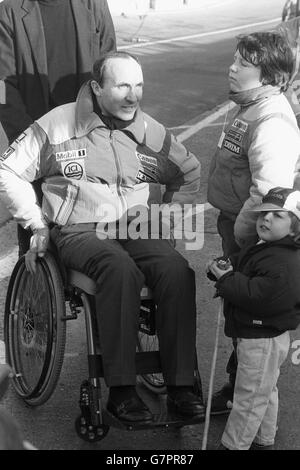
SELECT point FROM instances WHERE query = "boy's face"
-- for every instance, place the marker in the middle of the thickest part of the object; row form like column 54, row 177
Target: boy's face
column 273, row 225
column 243, row 75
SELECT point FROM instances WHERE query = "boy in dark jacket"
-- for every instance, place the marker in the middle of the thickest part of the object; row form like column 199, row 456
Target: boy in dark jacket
column 261, row 292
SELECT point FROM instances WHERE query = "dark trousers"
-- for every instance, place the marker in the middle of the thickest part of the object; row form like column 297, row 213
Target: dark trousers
column 120, row 268
column 226, row 230
column 225, row 227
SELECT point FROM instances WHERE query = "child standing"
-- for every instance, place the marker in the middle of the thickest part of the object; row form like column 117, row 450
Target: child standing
column 261, row 292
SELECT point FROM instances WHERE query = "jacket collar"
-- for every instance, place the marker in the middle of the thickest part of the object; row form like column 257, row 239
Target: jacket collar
column 288, row 242
column 86, row 120
column 248, row 97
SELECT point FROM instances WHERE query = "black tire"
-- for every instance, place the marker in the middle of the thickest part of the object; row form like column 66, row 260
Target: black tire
column 34, row 329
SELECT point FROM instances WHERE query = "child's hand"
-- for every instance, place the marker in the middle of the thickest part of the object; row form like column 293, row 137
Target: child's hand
column 209, row 274
column 217, row 271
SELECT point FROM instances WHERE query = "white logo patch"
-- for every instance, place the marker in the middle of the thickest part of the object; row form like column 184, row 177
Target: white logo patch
column 73, row 169
column 241, row 125
column 232, row 147
column 146, row 159
column 21, row 137
column 7, row 153
column 70, row 155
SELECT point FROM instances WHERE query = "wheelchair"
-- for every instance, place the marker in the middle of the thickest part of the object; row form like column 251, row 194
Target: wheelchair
column 35, row 337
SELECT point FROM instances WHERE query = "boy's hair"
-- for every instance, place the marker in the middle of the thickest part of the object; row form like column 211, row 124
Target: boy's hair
column 100, row 64
column 271, row 52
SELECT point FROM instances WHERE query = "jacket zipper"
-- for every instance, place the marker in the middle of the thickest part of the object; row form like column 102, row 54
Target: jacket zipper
column 119, row 173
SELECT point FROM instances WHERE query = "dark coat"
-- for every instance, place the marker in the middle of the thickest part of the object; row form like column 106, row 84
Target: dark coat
column 262, row 294
column 24, row 94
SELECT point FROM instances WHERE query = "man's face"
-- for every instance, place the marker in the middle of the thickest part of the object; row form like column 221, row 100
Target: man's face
column 122, row 88
column 243, row 75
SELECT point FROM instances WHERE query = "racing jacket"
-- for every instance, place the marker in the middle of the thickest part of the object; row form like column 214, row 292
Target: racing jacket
column 91, row 173
column 259, row 150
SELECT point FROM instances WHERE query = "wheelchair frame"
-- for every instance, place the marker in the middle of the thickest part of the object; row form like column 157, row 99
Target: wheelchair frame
column 35, row 336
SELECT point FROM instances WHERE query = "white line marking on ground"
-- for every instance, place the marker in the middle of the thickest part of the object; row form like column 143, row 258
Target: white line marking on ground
column 207, row 6
column 205, row 122
column 200, row 35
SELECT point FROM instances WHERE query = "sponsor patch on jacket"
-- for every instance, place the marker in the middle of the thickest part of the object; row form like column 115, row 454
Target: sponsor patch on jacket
column 70, row 155
column 257, row 322
column 241, row 125
column 7, row 153
column 232, row 147
column 235, row 136
column 146, row 159
column 21, row 137
column 73, row 170
column 146, row 176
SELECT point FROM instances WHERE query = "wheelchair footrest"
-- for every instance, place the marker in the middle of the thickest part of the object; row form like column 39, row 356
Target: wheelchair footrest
column 163, row 419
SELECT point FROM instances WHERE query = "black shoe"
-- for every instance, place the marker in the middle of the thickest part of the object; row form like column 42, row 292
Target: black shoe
column 222, row 401
column 185, row 402
column 132, row 410
column 255, row 446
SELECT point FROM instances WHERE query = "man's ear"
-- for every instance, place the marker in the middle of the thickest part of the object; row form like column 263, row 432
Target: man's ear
column 96, row 88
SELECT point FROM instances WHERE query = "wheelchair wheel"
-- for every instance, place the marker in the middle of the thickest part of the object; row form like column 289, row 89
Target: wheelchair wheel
column 147, row 341
column 34, row 328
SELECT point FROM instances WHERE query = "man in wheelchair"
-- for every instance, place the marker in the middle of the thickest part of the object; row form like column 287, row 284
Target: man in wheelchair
column 98, row 158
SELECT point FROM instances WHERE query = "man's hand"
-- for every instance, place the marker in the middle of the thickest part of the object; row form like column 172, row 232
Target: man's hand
column 38, row 246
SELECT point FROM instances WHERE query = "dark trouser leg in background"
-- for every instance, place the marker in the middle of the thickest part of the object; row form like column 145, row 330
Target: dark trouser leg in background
column 222, row 400
column 225, row 227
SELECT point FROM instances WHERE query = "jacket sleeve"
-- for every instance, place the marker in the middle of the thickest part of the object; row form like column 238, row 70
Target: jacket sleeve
column 259, row 294
column 13, row 116
column 273, row 155
column 19, row 166
column 182, row 174
column 106, row 27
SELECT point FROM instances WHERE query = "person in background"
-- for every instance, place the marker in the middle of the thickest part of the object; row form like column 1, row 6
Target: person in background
column 258, row 150
column 47, row 51
column 98, row 158
column 261, row 291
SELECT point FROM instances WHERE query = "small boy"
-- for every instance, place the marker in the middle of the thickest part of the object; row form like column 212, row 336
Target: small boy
column 261, row 292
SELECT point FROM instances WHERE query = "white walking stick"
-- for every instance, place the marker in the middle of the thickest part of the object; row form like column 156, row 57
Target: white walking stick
column 212, row 376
